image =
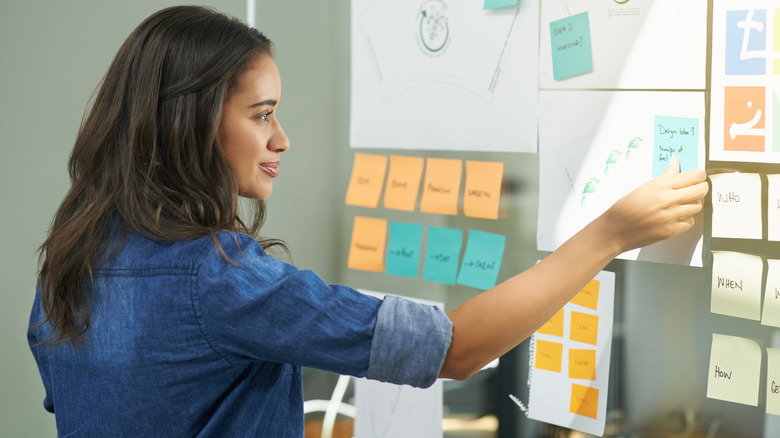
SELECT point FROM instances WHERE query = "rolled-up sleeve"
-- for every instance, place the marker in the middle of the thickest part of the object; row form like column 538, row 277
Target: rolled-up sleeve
column 409, row 344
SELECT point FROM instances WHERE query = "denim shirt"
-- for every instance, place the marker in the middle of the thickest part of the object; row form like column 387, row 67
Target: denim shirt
column 182, row 342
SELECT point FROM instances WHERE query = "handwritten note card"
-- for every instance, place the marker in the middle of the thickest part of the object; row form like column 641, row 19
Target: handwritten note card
column 367, row 250
column 483, row 189
column 736, row 205
column 678, row 136
column 366, row 181
column 771, row 312
column 735, row 370
column 482, row 259
column 548, row 356
column 736, row 284
column 773, row 202
column 441, row 187
column 773, row 381
column 571, row 49
column 582, row 364
column 403, row 249
column 403, row 182
column 443, row 254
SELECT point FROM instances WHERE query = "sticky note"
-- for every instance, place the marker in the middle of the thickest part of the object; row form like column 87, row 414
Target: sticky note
column 773, row 381
column 735, row 370
column 366, row 181
column 771, row 312
column 442, row 254
column 736, row 205
column 549, row 355
column 441, row 187
column 773, row 203
column 554, row 326
column 678, row 136
column 584, row 327
column 482, row 259
column 582, row 364
column 588, row 296
column 403, row 182
column 584, row 401
column 403, row 249
column 571, row 49
column 367, row 250
column 483, row 189
column 494, row 4
column 736, row 284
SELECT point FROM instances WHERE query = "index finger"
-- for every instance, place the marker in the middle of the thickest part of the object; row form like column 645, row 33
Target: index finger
column 687, row 178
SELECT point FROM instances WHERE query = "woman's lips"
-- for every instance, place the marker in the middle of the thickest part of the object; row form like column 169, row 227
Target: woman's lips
column 271, row 168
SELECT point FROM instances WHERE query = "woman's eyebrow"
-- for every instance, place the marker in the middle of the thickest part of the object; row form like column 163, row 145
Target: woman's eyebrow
column 270, row 102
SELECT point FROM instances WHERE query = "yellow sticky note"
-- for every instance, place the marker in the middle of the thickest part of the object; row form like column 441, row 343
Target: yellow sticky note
column 549, row 355
column 771, row 312
column 441, row 187
column 483, row 189
column 403, row 182
column 736, row 205
column 773, row 381
column 735, row 370
column 584, row 328
column 582, row 364
column 588, row 296
column 365, row 183
column 584, row 401
column 554, row 326
column 736, row 284
column 367, row 250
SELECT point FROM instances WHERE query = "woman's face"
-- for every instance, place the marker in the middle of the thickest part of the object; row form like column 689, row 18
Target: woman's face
column 250, row 133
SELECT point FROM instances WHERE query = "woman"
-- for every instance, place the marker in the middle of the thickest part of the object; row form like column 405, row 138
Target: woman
column 158, row 313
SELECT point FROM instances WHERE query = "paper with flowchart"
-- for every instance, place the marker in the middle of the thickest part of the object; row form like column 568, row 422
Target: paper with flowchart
column 736, row 284
column 569, row 360
column 735, row 369
column 736, row 205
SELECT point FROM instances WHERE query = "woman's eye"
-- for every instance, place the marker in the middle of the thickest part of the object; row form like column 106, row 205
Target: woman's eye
column 263, row 116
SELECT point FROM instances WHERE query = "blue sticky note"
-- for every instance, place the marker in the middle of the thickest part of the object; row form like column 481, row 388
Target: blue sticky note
column 571, row 49
column 678, row 136
column 494, row 4
column 442, row 255
column 403, row 249
column 482, row 259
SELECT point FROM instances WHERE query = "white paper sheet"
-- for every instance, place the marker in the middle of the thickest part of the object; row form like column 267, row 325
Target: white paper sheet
column 736, row 284
column 641, row 44
column 596, row 146
column 551, row 393
column 444, row 75
column 736, row 205
column 735, row 369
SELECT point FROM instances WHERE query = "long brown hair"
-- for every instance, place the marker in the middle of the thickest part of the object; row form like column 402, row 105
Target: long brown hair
column 147, row 157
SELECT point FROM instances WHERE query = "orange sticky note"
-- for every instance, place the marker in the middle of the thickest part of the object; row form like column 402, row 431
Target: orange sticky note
column 584, row 328
column 367, row 250
column 483, row 189
column 554, row 326
column 365, row 184
column 588, row 296
column 442, row 186
column 548, row 355
column 403, row 182
column 582, row 364
column 584, row 401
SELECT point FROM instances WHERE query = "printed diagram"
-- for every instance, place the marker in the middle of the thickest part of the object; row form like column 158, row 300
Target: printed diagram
column 434, row 27
column 612, row 160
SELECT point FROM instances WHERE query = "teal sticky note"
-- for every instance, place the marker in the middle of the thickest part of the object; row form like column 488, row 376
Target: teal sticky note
column 442, row 254
column 678, row 136
column 482, row 259
column 403, row 249
column 494, row 4
column 571, row 49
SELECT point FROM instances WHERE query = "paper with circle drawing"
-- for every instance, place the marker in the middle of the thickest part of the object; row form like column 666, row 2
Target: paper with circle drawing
column 735, row 370
column 736, row 284
column 736, row 205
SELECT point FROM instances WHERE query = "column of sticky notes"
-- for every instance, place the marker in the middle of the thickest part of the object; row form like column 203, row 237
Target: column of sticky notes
column 397, row 248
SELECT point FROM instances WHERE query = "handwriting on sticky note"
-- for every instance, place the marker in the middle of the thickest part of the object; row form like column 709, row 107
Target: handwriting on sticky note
column 773, row 381
column 441, row 187
column 442, row 254
column 365, row 183
column 403, row 249
column 736, row 284
column 482, row 259
column 367, row 249
column 735, row 369
column 571, row 47
column 588, row 296
column 483, row 189
column 736, row 205
column 584, row 327
column 554, row 326
column 771, row 313
column 678, row 136
column 549, row 355
column 584, row 401
column 403, row 182
column 582, row 364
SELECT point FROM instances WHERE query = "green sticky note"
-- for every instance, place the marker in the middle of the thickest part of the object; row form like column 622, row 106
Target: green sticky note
column 494, row 4
column 442, row 255
column 403, row 249
column 482, row 259
column 678, row 136
column 571, row 49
